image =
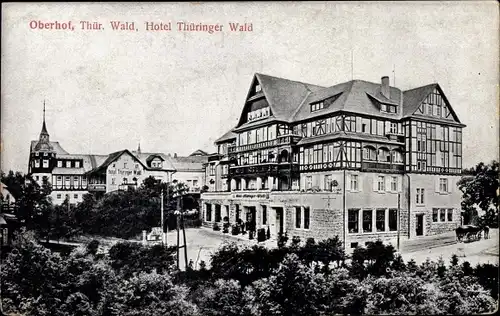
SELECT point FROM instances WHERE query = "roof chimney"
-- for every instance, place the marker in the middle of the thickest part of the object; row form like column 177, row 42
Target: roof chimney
column 385, row 87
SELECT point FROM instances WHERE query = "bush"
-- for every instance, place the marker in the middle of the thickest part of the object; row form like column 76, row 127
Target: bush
column 216, row 227
column 261, row 234
column 93, row 247
column 295, row 240
column 225, row 228
column 130, row 257
column 282, row 239
column 235, row 230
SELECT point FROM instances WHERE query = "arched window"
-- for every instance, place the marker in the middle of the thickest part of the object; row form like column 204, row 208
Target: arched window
column 384, row 155
column 369, row 153
column 283, row 156
column 397, row 156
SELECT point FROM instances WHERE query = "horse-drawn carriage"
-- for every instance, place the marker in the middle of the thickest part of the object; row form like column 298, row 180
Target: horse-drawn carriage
column 471, row 232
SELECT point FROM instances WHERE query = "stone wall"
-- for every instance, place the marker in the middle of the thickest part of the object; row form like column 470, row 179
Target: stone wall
column 324, row 223
column 327, row 217
column 434, row 199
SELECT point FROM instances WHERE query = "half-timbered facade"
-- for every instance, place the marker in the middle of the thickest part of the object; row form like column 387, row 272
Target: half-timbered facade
column 71, row 176
column 360, row 160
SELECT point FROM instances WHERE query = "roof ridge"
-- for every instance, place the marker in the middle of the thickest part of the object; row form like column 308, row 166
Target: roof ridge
column 421, row 87
column 292, row 117
column 290, row 80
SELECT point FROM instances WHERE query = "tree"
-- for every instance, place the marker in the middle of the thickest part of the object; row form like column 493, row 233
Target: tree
column 148, row 294
column 378, row 257
column 224, row 297
column 480, row 189
column 128, row 258
column 293, row 290
column 32, row 199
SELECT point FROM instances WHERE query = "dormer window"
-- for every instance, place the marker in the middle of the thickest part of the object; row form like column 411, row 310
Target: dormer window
column 59, row 164
column 388, row 108
column 317, row 106
column 258, row 88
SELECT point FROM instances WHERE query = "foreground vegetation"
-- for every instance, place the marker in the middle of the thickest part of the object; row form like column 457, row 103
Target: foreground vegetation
column 297, row 279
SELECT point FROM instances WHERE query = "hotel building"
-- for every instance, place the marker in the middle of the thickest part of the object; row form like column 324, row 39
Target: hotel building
column 360, row 160
column 74, row 175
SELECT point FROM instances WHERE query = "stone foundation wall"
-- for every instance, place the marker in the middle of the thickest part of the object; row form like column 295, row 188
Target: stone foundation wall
column 323, row 224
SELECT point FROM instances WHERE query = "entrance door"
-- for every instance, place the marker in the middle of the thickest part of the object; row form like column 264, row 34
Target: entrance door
column 420, row 225
column 251, row 218
column 279, row 219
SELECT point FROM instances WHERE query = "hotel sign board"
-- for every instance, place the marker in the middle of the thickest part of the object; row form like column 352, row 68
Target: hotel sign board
column 124, row 172
column 251, row 196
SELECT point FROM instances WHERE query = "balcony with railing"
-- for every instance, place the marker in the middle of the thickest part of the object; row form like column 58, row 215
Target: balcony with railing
column 382, row 166
column 268, row 168
column 280, row 140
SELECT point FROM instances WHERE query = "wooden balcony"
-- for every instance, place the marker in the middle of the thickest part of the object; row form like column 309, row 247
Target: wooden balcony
column 382, row 166
column 272, row 168
column 281, row 140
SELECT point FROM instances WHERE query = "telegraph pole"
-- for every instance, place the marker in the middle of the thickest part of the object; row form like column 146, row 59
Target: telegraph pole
column 399, row 217
column 163, row 241
column 180, row 225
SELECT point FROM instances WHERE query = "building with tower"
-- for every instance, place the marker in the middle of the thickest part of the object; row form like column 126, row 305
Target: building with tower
column 74, row 175
column 359, row 160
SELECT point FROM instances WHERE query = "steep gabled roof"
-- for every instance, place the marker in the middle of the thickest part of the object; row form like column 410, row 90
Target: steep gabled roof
column 414, row 97
column 283, row 95
column 112, row 157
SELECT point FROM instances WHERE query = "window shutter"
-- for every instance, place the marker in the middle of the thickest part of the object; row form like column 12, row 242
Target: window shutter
column 388, row 184
column 348, row 182
column 360, row 182
column 450, row 185
column 437, row 185
column 375, row 182
column 400, row 184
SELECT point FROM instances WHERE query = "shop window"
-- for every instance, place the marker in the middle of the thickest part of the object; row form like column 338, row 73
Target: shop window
column 353, row 221
column 380, row 220
column 393, row 220
column 367, row 221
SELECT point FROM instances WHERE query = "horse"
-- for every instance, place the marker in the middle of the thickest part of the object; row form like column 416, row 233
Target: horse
column 460, row 232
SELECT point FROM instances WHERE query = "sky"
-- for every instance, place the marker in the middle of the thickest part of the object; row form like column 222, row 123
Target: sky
column 176, row 92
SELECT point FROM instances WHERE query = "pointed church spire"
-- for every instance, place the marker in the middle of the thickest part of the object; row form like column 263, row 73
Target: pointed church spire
column 44, row 135
column 44, row 142
column 139, row 148
column 44, row 128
